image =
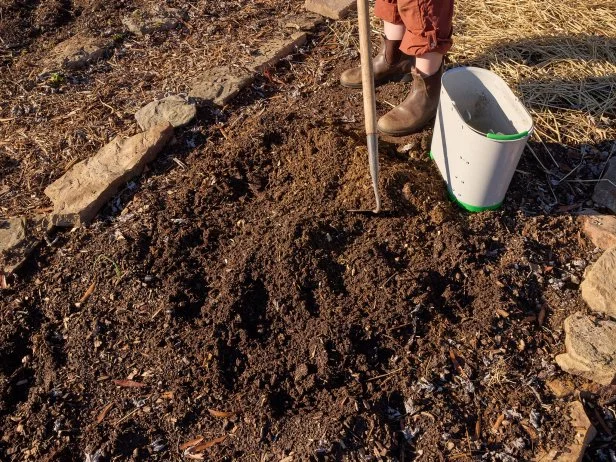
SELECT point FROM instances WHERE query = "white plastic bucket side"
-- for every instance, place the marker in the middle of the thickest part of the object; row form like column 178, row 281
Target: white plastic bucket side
column 477, row 169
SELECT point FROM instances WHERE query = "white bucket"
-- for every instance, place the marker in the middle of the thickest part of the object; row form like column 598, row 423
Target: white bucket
column 480, row 132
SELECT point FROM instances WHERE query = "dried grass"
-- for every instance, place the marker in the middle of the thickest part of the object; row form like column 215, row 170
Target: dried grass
column 560, row 57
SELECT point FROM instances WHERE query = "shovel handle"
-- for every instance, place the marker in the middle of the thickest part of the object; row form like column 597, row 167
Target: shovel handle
column 367, row 73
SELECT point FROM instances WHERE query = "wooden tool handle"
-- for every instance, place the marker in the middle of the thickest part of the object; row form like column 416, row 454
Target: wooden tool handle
column 367, row 73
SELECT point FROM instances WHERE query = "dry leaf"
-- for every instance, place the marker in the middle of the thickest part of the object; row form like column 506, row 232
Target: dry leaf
column 104, row 413
column 209, row 444
column 88, row 292
column 194, row 456
column 531, row 432
column 221, row 414
column 129, row 383
column 191, row 443
column 497, row 424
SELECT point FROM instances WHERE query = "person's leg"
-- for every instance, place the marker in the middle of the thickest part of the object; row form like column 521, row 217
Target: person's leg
column 393, row 31
column 390, row 63
column 428, row 64
column 428, row 26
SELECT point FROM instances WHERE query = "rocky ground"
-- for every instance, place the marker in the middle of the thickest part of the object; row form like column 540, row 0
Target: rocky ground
column 221, row 303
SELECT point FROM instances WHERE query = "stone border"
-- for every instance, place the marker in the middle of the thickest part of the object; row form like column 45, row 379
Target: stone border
column 87, row 186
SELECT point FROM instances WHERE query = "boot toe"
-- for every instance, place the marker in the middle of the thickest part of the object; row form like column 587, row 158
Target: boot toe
column 351, row 78
column 393, row 123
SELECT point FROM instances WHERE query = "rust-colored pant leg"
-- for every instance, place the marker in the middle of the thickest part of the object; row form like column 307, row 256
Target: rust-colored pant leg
column 387, row 10
column 428, row 26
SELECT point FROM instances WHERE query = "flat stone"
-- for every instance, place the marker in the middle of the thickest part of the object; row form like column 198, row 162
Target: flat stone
column 599, row 285
column 334, row 9
column 79, row 194
column 585, row 432
column 605, row 190
column 561, row 388
column 590, row 348
column 142, row 22
column 220, row 85
column 78, row 51
column 274, row 50
column 173, row 109
column 301, row 22
column 18, row 238
column 600, row 229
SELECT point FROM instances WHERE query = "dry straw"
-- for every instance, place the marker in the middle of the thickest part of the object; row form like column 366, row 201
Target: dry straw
column 559, row 56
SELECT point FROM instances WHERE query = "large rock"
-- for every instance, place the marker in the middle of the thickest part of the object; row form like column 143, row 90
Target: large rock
column 599, row 285
column 585, row 432
column 605, row 191
column 79, row 194
column 590, row 348
column 173, row 109
column 78, row 51
column 600, row 229
column 18, row 238
column 334, row 9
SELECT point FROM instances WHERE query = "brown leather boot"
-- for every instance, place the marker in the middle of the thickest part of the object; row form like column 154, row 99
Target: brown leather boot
column 390, row 64
column 417, row 109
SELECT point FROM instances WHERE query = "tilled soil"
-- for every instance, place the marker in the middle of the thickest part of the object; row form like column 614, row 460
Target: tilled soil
column 234, row 299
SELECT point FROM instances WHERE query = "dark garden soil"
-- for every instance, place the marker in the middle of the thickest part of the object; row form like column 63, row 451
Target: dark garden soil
column 235, row 300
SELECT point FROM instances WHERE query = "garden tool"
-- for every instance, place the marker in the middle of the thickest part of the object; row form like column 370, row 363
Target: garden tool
column 367, row 77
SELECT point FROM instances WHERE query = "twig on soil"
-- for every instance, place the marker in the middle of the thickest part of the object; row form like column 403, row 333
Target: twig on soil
column 387, row 280
column 401, row 326
column 155, row 314
column 459, row 456
column 385, row 375
column 126, row 416
column 129, row 384
column 106, row 105
column 180, row 163
column 468, row 441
